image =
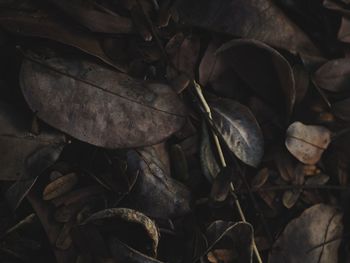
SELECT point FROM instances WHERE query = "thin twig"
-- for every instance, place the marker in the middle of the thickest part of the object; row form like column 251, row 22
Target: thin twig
column 223, row 162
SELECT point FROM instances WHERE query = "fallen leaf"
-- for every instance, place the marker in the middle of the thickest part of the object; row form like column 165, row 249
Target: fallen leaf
column 209, row 164
column 247, row 19
column 39, row 23
column 128, row 218
column 239, row 130
column 341, row 109
column 106, row 108
column 334, row 75
column 305, row 238
column 17, row 143
column 123, row 253
column 307, row 142
column 221, row 185
column 93, row 19
column 156, row 193
column 60, row 186
column 237, row 237
column 263, row 69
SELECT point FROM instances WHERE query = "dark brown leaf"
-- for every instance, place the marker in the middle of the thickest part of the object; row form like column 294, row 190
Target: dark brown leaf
column 60, row 186
column 300, row 242
column 334, row 75
column 100, row 106
column 39, row 23
column 257, row 19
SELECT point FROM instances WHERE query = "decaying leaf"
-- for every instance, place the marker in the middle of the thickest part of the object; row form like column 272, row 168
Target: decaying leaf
column 60, row 186
column 239, row 129
column 247, row 19
column 307, row 142
column 98, row 105
column 315, row 236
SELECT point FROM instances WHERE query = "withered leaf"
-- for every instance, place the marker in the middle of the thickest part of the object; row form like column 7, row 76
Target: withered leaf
column 38, row 23
column 17, row 143
column 64, row 240
column 300, row 242
column 130, row 216
column 98, row 105
column 247, row 19
column 334, row 75
column 60, row 186
column 307, row 142
column 239, row 129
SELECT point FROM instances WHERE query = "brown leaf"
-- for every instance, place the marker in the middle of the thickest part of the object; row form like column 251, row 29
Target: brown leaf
column 237, row 237
column 258, row 66
column 39, row 23
column 341, row 109
column 129, row 216
column 221, row 185
column 307, row 142
column 60, row 186
column 334, row 75
column 257, row 19
column 300, row 242
column 17, row 143
column 156, row 193
column 260, row 179
column 109, row 109
column 93, row 19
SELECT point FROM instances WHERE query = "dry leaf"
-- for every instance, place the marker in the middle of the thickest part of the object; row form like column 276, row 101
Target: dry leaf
column 305, row 238
column 60, row 186
column 307, row 142
column 98, row 105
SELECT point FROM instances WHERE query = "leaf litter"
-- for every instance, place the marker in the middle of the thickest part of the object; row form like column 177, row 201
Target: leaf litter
column 174, row 131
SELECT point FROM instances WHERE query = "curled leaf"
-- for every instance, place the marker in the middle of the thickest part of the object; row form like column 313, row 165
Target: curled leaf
column 127, row 217
column 307, row 142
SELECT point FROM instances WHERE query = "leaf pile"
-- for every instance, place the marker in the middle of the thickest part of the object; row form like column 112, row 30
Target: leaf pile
column 177, row 131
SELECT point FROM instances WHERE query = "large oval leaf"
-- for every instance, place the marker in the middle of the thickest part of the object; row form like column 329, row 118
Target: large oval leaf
column 98, row 105
column 239, row 129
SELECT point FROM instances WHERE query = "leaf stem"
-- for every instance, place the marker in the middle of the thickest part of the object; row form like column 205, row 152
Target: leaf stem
column 223, row 162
